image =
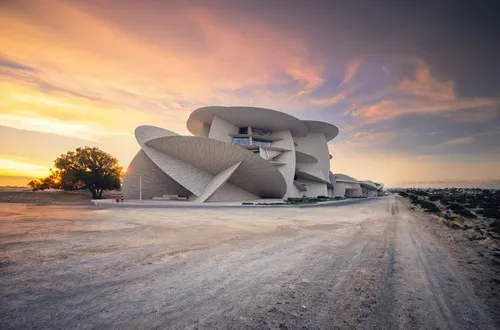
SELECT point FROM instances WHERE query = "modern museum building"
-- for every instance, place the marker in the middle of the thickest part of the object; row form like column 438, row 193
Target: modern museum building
column 239, row 154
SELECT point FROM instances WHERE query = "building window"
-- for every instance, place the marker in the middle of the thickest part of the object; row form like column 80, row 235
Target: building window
column 243, row 130
column 258, row 131
column 261, row 143
column 241, row 141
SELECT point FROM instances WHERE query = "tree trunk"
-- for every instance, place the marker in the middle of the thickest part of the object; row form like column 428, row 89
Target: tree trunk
column 94, row 194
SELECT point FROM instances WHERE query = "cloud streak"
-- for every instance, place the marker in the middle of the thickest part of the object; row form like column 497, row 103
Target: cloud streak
column 351, row 69
column 334, row 99
column 424, row 94
column 459, row 141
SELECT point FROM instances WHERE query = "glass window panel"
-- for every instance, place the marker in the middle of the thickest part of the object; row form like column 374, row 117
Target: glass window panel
column 241, row 141
column 259, row 131
column 261, row 143
column 243, row 130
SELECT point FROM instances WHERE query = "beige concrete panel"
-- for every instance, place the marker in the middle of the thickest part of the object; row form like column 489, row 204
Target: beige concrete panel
column 206, row 130
column 347, row 189
column 155, row 182
column 329, row 130
column 255, row 175
column 288, row 158
column 269, row 154
column 218, row 181
column 305, row 158
column 315, row 144
column 145, row 133
column 368, row 192
column 331, row 177
column 229, row 192
column 221, row 130
column 354, row 191
column 267, row 119
column 314, row 188
column 368, row 185
column 187, row 175
column 344, row 178
column 339, row 189
column 310, row 174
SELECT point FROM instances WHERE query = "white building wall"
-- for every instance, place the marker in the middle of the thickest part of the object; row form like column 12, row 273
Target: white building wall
column 220, row 130
column 339, row 189
column 155, row 182
column 353, row 190
column 229, row 192
column 287, row 157
column 314, row 188
column 346, row 189
column 217, row 182
column 315, row 144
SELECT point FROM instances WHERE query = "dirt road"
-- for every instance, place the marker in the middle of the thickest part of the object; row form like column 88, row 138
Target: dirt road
column 371, row 265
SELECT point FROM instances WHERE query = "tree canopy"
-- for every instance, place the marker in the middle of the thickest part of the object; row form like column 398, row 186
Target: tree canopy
column 86, row 167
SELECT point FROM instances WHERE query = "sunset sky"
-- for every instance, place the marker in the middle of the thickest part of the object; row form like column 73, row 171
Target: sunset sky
column 414, row 86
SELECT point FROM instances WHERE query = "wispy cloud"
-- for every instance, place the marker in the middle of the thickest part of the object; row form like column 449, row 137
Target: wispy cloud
column 366, row 139
column 334, row 99
column 351, row 69
column 424, row 94
column 101, row 77
column 458, row 141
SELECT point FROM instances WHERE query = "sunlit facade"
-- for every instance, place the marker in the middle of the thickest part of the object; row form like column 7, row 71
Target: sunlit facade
column 236, row 154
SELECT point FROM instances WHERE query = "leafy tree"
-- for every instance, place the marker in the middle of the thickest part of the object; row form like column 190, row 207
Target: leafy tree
column 87, row 167
column 53, row 181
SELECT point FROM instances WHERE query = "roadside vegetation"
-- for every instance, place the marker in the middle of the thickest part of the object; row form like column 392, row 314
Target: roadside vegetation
column 83, row 169
column 476, row 210
column 303, row 200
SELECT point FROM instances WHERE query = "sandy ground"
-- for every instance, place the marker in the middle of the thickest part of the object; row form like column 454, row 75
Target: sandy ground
column 370, row 265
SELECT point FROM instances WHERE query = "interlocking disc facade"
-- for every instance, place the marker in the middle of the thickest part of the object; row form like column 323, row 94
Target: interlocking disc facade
column 238, row 154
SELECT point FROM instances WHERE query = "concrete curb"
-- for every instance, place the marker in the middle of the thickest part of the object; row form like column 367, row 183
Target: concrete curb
column 187, row 205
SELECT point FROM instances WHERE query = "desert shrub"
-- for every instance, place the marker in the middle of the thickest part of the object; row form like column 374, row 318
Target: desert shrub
column 459, row 209
column 419, row 192
column 427, row 206
column 435, row 197
column 270, row 204
column 403, row 194
column 495, row 227
column 455, row 207
column 301, row 200
column 493, row 213
column 462, row 199
column 467, row 213
column 488, row 205
column 412, row 197
column 445, row 201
